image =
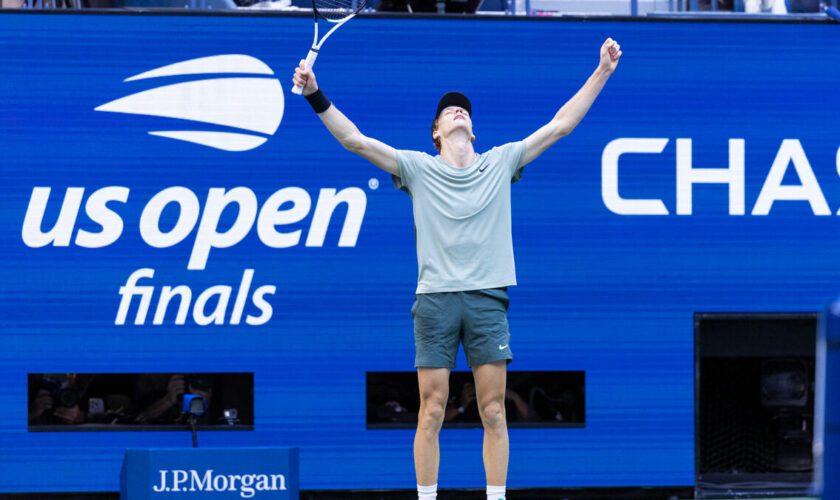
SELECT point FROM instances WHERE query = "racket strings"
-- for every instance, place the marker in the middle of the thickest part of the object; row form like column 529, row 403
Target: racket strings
column 336, row 10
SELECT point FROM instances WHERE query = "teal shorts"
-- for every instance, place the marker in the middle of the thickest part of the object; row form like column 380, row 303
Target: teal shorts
column 476, row 318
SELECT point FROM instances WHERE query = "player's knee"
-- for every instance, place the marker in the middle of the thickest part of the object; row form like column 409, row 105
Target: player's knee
column 430, row 418
column 493, row 415
column 433, row 395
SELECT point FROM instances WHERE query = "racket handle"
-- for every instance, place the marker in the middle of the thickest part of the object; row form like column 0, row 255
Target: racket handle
column 310, row 61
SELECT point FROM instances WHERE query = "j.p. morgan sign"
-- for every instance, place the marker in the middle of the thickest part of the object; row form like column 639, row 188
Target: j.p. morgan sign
column 247, row 485
column 218, row 473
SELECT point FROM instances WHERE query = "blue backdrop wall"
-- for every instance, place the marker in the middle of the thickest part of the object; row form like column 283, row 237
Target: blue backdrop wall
column 601, row 289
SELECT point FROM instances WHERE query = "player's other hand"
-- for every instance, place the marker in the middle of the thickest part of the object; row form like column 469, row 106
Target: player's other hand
column 305, row 78
column 610, row 54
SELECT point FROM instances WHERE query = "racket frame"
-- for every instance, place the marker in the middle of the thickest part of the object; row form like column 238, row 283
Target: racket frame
column 316, row 45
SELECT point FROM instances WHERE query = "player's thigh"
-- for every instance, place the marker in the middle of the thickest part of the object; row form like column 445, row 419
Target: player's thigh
column 490, row 384
column 434, row 385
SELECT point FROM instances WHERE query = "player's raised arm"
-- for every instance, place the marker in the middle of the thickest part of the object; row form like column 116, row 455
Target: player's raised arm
column 376, row 152
column 568, row 117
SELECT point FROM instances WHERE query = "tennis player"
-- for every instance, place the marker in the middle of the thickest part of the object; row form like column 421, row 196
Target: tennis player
column 465, row 255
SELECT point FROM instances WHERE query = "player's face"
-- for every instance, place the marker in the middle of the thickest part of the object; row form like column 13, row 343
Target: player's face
column 453, row 118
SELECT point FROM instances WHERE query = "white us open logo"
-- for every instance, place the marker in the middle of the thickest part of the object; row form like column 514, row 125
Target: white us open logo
column 250, row 104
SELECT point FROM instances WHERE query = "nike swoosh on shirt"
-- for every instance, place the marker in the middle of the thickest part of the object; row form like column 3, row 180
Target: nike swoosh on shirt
column 503, row 347
column 482, row 169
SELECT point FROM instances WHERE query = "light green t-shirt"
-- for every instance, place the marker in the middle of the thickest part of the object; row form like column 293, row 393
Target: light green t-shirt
column 462, row 218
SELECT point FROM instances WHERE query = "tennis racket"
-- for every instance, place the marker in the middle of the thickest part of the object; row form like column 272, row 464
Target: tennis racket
column 337, row 12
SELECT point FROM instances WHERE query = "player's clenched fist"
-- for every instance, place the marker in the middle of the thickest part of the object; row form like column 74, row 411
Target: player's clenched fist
column 305, row 78
column 610, row 54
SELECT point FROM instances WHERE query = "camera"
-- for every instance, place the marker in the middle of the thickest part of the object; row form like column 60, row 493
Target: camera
column 61, row 391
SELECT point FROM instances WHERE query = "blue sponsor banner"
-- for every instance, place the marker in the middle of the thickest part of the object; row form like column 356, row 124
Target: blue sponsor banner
column 143, row 153
column 194, row 473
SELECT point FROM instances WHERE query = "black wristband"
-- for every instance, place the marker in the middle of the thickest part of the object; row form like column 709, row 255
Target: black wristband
column 318, row 101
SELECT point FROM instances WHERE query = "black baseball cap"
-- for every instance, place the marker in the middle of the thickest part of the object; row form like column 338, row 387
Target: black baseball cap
column 453, row 99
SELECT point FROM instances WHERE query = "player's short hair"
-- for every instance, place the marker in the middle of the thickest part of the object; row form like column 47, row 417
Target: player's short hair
column 435, row 140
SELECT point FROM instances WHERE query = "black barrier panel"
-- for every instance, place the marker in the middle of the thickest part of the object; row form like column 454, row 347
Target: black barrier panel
column 138, row 401
column 533, row 399
column 755, row 402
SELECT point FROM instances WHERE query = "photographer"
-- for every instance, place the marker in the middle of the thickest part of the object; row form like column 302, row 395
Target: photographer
column 161, row 395
column 55, row 400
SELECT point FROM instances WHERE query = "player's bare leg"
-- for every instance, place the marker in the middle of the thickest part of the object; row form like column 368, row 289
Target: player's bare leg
column 434, row 391
column 490, row 381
